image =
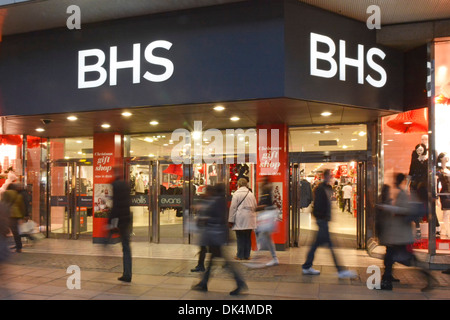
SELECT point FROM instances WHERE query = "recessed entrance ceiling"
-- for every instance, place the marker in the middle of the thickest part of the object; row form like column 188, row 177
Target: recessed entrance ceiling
column 169, row 118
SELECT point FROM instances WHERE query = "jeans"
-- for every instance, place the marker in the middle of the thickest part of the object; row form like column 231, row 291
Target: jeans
column 244, row 243
column 323, row 237
column 126, row 251
column 14, row 225
column 216, row 252
column 346, row 203
column 265, row 241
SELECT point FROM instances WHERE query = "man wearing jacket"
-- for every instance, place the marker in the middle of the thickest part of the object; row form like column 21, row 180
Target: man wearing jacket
column 322, row 213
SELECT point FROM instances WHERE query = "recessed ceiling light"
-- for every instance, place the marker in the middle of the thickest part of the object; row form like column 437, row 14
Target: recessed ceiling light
column 325, row 114
column 106, row 125
column 154, row 123
column 72, row 118
column 362, row 133
column 219, row 108
column 126, row 114
column 234, row 119
column 79, row 141
column 40, row 129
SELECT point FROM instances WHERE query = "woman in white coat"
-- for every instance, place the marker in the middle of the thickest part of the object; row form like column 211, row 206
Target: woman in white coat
column 242, row 218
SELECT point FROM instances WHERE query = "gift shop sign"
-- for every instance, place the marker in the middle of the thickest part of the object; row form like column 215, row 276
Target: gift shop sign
column 103, row 169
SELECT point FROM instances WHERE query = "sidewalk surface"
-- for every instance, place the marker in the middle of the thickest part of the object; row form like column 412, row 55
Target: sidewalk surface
column 162, row 271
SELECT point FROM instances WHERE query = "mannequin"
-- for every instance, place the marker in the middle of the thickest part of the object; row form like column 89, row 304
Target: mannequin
column 418, row 169
column 212, row 171
column 443, row 175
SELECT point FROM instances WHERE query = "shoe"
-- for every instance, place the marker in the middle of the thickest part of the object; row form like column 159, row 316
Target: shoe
column 124, row 279
column 18, row 250
column 311, row 271
column 347, row 274
column 273, row 262
column 386, row 285
column 237, row 258
column 239, row 289
column 394, row 279
column 200, row 287
column 198, row 269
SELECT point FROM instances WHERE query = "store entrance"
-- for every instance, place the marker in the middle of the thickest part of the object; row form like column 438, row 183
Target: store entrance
column 71, row 201
column 347, row 226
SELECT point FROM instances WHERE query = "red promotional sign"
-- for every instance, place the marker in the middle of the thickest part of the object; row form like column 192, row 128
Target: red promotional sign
column 273, row 163
column 108, row 155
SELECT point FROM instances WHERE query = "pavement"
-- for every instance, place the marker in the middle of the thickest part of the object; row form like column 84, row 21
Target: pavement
column 162, row 272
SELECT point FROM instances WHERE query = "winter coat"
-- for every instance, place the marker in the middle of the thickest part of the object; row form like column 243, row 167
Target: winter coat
column 243, row 215
column 121, row 204
column 396, row 227
column 322, row 201
column 15, row 201
column 214, row 231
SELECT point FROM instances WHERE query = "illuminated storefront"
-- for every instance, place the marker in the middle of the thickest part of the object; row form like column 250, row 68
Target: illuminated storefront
column 417, row 144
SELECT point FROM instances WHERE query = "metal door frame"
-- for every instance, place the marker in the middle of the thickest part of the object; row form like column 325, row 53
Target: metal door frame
column 74, row 185
column 358, row 156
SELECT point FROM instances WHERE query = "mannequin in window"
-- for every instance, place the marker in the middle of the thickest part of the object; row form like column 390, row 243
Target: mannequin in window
column 242, row 171
column 418, row 169
column 443, row 176
column 212, row 172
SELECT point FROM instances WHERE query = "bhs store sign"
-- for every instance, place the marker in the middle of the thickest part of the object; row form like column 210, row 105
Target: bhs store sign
column 97, row 69
column 327, row 54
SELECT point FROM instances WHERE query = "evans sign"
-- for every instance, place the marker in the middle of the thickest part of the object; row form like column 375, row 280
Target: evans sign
column 333, row 67
column 98, row 69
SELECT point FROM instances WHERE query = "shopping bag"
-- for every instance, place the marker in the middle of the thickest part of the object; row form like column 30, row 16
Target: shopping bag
column 266, row 220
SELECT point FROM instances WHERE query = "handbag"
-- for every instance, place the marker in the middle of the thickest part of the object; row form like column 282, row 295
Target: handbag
column 266, row 220
column 240, row 204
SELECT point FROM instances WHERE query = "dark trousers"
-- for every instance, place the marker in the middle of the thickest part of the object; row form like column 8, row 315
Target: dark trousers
column 396, row 253
column 346, row 203
column 322, row 237
column 124, row 233
column 216, row 252
column 202, row 256
column 14, row 225
column 244, row 243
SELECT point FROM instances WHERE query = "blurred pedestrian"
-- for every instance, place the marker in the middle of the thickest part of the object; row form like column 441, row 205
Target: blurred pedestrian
column 214, row 236
column 4, row 230
column 322, row 213
column 202, row 206
column 14, row 200
column 242, row 218
column 266, row 207
column 397, row 233
column 120, row 216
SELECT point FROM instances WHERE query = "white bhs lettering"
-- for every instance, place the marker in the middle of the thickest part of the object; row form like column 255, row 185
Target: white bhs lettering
column 345, row 61
column 114, row 65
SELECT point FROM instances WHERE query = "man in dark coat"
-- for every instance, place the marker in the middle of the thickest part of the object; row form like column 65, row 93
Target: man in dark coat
column 322, row 213
column 121, row 211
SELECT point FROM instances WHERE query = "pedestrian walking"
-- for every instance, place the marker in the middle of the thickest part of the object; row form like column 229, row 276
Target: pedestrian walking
column 201, row 219
column 120, row 216
column 266, row 217
column 214, row 236
column 242, row 218
column 322, row 213
column 14, row 201
column 397, row 233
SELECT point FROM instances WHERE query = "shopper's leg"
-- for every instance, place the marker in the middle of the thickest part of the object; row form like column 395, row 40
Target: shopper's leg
column 248, row 244
column 126, row 250
column 240, row 239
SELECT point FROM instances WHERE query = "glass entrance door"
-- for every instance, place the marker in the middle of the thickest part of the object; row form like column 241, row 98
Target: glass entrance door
column 71, row 201
column 139, row 173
